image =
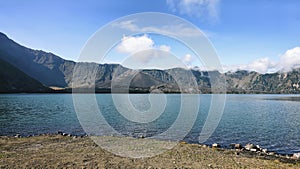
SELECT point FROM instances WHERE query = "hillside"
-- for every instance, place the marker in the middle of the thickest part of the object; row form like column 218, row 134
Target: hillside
column 53, row 71
column 13, row 80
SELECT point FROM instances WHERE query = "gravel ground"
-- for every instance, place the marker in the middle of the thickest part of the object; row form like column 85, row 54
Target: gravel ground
column 56, row 151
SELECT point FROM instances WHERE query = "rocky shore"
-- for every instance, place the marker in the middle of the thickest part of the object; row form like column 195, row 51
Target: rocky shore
column 64, row 150
column 255, row 150
column 248, row 149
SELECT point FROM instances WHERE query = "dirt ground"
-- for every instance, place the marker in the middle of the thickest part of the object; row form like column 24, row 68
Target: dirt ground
column 56, row 151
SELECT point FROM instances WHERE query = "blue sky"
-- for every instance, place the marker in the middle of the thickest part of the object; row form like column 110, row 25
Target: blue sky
column 243, row 32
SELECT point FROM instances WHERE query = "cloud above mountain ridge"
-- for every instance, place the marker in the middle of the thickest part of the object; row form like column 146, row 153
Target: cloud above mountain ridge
column 288, row 61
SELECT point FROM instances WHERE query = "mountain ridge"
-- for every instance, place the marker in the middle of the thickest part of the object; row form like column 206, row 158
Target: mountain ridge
column 52, row 70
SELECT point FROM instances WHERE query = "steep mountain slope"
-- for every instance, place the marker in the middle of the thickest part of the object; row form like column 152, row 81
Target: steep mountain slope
column 52, row 70
column 12, row 80
column 48, row 68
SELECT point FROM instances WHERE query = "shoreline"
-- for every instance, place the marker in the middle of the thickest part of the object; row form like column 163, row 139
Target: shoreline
column 256, row 149
column 58, row 151
column 8, row 144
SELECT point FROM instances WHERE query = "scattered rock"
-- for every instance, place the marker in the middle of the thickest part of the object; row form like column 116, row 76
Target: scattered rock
column 253, row 149
column 271, row 153
column 18, row 136
column 264, row 150
column 64, row 134
column 238, row 146
column 59, row 132
column 204, row 146
column 250, row 146
column 296, row 156
column 232, row 145
column 141, row 136
column 216, row 145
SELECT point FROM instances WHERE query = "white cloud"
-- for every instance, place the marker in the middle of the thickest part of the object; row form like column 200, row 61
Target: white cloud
column 287, row 62
column 187, row 59
column 129, row 25
column 131, row 45
column 262, row 65
column 198, row 8
column 165, row 48
column 290, row 59
column 141, row 48
column 135, row 44
column 181, row 30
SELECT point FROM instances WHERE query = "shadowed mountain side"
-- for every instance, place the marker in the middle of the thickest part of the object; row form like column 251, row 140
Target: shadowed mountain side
column 12, row 80
column 48, row 68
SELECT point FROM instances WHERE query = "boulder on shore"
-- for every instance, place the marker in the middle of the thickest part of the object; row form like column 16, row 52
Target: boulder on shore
column 238, row 146
column 215, row 145
column 18, row 136
column 265, row 150
column 250, row 146
column 296, row 156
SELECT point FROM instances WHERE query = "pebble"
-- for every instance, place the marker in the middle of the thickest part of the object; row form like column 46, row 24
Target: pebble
column 216, row 145
column 204, row 146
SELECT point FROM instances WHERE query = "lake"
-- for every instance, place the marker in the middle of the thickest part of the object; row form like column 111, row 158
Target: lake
column 271, row 121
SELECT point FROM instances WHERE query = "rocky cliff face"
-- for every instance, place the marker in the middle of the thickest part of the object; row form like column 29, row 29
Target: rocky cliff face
column 52, row 70
column 253, row 82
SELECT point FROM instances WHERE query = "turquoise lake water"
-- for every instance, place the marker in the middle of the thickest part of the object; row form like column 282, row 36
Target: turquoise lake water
column 271, row 121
